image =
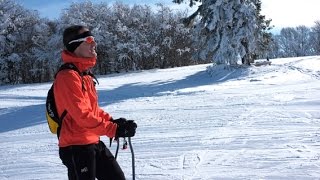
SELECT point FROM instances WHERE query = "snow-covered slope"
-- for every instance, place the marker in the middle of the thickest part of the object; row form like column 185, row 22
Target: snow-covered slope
column 256, row 123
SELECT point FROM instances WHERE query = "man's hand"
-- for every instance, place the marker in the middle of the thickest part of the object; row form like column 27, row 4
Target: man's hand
column 126, row 128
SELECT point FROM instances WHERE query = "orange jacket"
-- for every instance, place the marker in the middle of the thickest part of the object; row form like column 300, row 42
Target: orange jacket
column 85, row 121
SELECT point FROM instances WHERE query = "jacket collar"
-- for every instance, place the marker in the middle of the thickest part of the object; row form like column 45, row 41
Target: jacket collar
column 82, row 64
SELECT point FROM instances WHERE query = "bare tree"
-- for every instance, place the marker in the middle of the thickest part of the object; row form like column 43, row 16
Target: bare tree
column 315, row 40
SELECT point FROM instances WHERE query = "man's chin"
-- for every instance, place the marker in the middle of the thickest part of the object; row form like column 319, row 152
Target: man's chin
column 93, row 54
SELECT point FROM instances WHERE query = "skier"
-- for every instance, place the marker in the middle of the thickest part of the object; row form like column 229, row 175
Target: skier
column 80, row 148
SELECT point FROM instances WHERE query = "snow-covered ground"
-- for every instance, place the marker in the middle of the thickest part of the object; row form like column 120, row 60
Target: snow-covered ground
column 255, row 123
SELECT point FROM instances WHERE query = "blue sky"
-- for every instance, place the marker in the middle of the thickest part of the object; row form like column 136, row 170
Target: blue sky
column 284, row 13
column 52, row 9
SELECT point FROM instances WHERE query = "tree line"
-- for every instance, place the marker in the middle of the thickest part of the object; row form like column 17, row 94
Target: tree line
column 295, row 42
column 137, row 37
column 129, row 38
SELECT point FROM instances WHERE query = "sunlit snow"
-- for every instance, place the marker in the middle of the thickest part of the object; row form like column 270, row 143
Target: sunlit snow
column 254, row 123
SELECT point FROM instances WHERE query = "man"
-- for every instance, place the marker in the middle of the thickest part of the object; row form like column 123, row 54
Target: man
column 80, row 148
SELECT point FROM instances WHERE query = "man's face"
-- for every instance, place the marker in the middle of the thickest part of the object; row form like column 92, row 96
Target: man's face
column 85, row 49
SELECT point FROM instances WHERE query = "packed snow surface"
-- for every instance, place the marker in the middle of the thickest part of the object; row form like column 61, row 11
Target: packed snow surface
column 239, row 123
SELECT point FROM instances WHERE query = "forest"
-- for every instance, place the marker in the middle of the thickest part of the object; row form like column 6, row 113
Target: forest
column 138, row 37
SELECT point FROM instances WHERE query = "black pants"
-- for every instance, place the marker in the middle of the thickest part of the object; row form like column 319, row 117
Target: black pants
column 87, row 162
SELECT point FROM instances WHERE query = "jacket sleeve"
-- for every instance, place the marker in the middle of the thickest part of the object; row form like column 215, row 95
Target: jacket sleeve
column 104, row 114
column 71, row 97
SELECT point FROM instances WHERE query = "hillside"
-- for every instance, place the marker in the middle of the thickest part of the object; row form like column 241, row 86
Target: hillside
column 255, row 123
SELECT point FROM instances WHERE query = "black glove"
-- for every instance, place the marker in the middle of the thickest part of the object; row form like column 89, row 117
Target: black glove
column 119, row 121
column 126, row 128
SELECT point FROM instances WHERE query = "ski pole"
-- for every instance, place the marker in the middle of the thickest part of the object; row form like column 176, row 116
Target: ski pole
column 117, row 150
column 132, row 156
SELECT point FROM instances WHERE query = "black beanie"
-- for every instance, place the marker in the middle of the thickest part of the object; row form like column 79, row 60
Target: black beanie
column 73, row 46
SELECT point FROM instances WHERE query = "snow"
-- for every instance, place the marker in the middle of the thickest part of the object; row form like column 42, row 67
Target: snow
column 255, row 123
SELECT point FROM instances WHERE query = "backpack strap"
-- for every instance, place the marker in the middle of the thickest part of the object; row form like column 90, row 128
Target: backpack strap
column 89, row 72
column 73, row 67
column 68, row 66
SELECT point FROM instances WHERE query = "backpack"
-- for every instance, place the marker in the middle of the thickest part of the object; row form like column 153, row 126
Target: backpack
column 53, row 119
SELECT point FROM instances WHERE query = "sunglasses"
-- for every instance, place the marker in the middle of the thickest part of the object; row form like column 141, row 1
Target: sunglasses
column 88, row 39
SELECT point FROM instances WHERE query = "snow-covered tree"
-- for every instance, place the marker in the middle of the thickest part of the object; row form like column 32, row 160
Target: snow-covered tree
column 171, row 37
column 10, row 20
column 304, row 46
column 47, row 49
column 228, row 29
column 129, row 38
column 263, row 36
column 17, row 31
column 286, row 41
column 295, row 42
column 315, row 37
column 274, row 48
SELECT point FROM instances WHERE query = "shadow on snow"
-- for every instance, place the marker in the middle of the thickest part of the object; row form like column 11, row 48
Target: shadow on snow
column 134, row 90
column 12, row 119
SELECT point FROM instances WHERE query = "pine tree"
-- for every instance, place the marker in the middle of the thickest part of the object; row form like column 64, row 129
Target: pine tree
column 229, row 29
column 264, row 39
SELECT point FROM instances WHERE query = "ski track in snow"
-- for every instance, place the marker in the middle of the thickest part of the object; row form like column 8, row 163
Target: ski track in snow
column 257, row 123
